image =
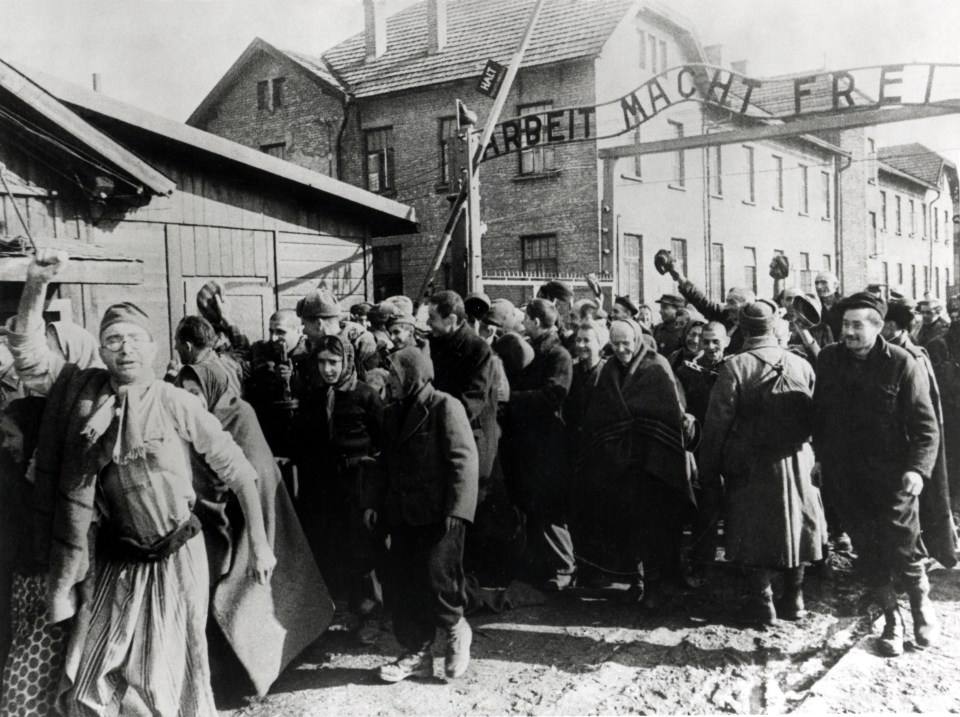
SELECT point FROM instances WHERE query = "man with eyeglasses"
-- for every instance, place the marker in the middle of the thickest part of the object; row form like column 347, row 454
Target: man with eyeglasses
column 114, row 456
column 935, row 324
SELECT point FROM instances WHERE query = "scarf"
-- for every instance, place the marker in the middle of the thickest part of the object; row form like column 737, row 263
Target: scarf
column 77, row 344
column 348, row 375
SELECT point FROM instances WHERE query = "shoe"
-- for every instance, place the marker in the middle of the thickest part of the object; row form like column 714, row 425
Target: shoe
column 841, row 543
column 890, row 643
column 410, row 664
column 790, row 605
column 368, row 631
column 560, row 582
column 458, row 649
column 926, row 627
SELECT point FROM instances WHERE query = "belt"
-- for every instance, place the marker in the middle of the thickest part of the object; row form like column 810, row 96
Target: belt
column 122, row 548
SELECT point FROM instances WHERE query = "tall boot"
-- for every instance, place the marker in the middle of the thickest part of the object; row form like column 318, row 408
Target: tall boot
column 790, row 605
column 890, row 643
column 926, row 627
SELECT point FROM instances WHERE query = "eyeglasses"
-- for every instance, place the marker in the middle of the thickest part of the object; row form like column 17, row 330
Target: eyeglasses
column 115, row 343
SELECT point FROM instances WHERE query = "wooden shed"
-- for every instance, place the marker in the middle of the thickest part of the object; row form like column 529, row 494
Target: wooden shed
column 151, row 209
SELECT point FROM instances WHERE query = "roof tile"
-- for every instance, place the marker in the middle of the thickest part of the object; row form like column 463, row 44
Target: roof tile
column 914, row 159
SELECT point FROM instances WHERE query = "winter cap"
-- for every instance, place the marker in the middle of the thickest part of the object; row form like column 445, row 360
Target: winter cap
column 671, row 300
column 476, row 304
column 759, row 317
column 625, row 302
column 125, row 312
column 864, row 300
column 901, row 315
column 319, row 303
column 500, row 313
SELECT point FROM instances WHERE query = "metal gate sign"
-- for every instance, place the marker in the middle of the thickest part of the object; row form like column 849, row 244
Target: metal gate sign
column 782, row 100
column 491, row 78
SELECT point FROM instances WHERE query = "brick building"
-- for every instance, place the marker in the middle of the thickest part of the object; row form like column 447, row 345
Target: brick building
column 378, row 111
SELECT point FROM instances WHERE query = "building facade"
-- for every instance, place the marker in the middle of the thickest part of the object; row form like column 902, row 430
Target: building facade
column 388, row 97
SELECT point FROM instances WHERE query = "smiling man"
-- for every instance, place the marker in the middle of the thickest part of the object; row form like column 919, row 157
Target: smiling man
column 114, row 452
column 876, row 439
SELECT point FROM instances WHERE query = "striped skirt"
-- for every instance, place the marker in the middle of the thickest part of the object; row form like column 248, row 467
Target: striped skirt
column 143, row 649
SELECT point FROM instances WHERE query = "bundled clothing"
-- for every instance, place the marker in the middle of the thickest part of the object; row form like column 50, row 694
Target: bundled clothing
column 936, row 329
column 427, row 471
column 634, row 456
column 266, row 626
column 668, row 336
column 336, row 427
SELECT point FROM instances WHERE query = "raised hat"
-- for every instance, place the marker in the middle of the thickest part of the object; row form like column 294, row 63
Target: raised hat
column 207, row 303
column 319, row 303
column 809, row 306
column 864, row 300
column 625, row 302
column 779, row 266
column 663, row 261
column 555, row 290
column 476, row 304
column 672, row 300
column 361, row 308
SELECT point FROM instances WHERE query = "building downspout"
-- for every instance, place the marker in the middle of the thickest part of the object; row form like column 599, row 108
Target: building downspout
column 707, row 224
column 933, row 230
column 838, row 223
column 347, row 102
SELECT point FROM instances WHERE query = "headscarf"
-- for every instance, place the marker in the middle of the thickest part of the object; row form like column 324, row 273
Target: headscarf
column 637, row 332
column 691, row 324
column 413, row 369
column 214, row 380
column 338, row 347
column 78, row 345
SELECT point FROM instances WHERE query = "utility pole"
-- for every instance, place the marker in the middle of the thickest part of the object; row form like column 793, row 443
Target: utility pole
column 475, row 228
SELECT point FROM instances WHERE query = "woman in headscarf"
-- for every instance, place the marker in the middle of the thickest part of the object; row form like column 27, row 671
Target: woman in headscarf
column 634, row 453
column 690, row 344
column 265, row 627
column 337, row 427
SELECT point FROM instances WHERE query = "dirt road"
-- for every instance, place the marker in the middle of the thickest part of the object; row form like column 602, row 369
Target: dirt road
column 586, row 652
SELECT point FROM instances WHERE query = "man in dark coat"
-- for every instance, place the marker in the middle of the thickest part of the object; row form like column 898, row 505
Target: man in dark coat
column 463, row 367
column 424, row 492
column 934, row 325
column 668, row 334
column 827, row 286
column 876, row 439
column 727, row 314
column 945, row 355
column 534, row 445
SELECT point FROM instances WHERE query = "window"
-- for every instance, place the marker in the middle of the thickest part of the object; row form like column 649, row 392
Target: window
column 632, row 276
column 778, row 177
column 923, row 209
column 263, row 95
column 926, row 279
column 871, row 161
column 278, row 83
column 716, row 272
column 275, row 150
column 876, row 241
column 913, row 218
column 652, row 42
column 715, row 168
column 637, row 158
column 946, row 225
column 678, row 247
column 913, row 280
column 886, row 274
column 825, row 182
column 378, row 151
column 897, row 214
column 883, row 211
column 804, row 189
column 936, row 224
column 751, row 178
column 936, row 282
column 750, row 268
column 447, row 139
column 642, row 41
column 539, row 254
column 827, row 262
column 387, row 273
column 536, row 158
column 899, row 274
column 679, row 170
column 806, row 276
column 663, row 56
column 946, row 278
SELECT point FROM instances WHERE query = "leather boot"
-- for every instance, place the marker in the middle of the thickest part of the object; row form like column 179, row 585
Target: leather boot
column 761, row 593
column 790, row 605
column 890, row 643
column 926, row 627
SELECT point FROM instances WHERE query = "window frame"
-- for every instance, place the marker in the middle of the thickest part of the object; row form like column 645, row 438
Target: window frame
column 282, row 146
column 678, row 178
column 751, row 175
column 540, row 149
column 750, row 270
column 804, row 190
column 827, row 194
column 276, row 91
column 386, row 172
column 538, row 238
column 715, row 169
column 678, row 247
column 778, row 179
column 445, row 150
column 263, row 94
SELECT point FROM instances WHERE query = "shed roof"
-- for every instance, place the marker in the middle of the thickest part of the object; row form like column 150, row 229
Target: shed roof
column 92, row 104
column 915, row 160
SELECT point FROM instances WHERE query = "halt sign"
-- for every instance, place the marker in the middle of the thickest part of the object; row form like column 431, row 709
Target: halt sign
column 491, row 78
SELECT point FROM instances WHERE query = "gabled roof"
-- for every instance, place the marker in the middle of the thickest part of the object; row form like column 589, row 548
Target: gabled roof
column 313, row 68
column 95, row 105
column 477, row 30
column 915, row 160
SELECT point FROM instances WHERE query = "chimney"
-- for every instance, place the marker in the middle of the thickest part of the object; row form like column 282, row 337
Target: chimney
column 374, row 28
column 740, row 67
column 96, row 82
column 436, row 25
column 714, row 54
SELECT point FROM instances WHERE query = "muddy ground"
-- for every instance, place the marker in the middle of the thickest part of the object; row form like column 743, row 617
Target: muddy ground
column 588, row 652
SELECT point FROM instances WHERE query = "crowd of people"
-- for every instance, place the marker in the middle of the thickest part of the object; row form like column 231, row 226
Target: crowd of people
column 405, row 457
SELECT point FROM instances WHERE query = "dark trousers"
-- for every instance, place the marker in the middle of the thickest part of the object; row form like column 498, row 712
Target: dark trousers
column 426, row 581
column 347, row 554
